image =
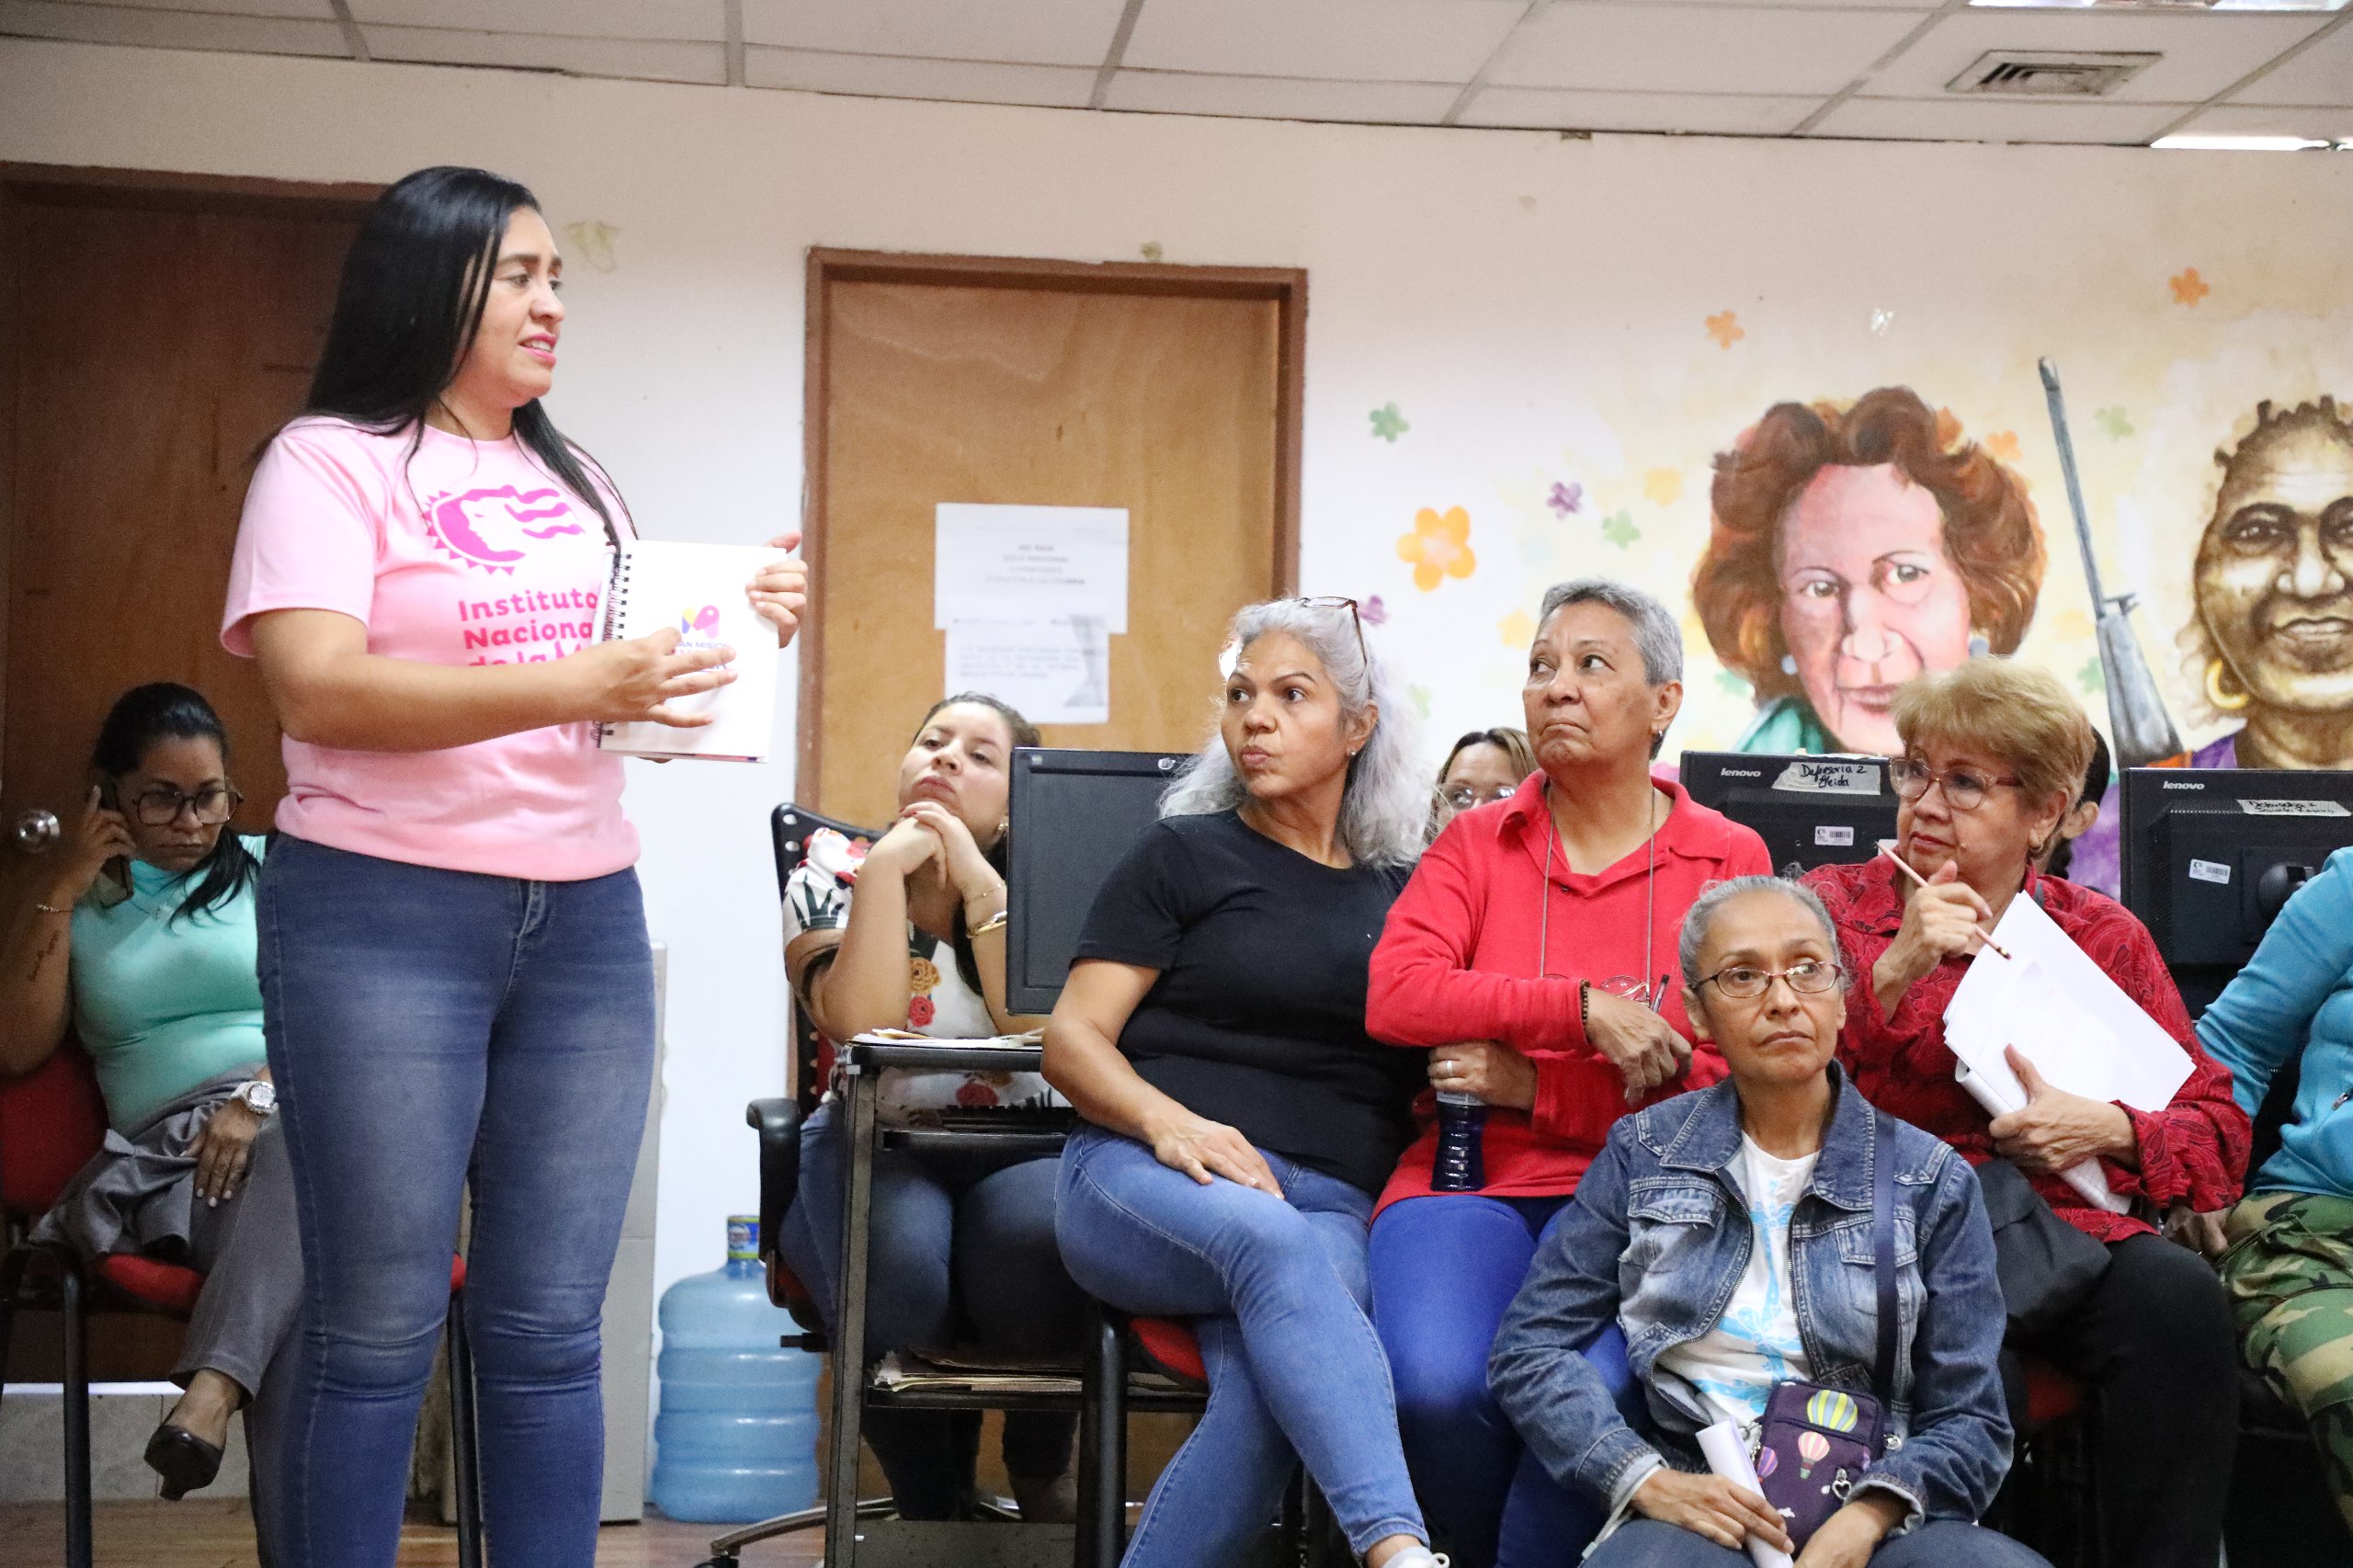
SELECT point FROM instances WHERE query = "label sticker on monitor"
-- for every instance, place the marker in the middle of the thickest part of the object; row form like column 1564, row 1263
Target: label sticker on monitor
column 2294, row 809
column 2210, row 871
column 1829, row 776
column 1834, row 835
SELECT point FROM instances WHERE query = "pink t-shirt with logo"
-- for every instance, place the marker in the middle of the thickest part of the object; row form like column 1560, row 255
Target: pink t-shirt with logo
column 467, row 552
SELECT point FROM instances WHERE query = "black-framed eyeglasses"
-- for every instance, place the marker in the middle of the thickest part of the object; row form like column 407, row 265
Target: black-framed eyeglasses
column 161, row 805
column 1338, row 601
column 1463, row 797
column 1964, row 790
column 1807, row 977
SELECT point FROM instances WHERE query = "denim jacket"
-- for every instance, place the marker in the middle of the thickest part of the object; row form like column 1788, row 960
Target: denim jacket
column 1657, row 1239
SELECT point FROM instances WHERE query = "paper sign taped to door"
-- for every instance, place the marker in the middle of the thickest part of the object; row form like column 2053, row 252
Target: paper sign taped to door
column 1032, row 563
column 1055, row 671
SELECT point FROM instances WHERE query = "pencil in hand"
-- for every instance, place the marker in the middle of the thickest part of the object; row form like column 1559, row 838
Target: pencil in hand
column 1888, row 849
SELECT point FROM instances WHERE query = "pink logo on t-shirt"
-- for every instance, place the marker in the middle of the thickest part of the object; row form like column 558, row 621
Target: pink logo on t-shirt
column 487, row 527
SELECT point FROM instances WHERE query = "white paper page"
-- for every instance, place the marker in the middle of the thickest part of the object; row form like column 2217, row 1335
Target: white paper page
column 1056, row 671
column 698, row 590
column 1029, row 563
column 2079, row 1029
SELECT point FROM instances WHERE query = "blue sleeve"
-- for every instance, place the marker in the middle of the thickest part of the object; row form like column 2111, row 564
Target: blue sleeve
column 2264, row 1016
column 1538, row 1371
column 1953, row 1459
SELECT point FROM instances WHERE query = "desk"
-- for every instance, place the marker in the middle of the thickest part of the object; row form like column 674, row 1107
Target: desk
column 890, row 1542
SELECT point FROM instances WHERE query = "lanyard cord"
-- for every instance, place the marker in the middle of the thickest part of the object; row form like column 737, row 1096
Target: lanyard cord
column 1544, row 890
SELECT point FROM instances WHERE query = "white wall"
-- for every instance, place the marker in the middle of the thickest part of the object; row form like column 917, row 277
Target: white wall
column 1534, row 305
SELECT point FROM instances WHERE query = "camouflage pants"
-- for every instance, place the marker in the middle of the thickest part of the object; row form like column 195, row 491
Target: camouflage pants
column 2290, row 1276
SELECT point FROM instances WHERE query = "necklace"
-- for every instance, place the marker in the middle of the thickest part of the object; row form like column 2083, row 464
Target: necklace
column 1649, row 894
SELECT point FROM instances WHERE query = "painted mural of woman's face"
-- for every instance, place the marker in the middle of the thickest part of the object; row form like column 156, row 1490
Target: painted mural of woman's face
column 1868, row 597
column 2275, row 572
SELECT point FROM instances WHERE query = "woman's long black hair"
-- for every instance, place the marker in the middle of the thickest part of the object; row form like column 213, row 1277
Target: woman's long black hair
column 165, row 711
column 415, row 283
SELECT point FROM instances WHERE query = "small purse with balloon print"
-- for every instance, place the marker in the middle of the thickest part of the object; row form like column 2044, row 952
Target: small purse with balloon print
column 1814, row 1442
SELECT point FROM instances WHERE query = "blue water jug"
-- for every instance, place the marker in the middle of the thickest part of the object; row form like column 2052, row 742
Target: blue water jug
column 736, row 1439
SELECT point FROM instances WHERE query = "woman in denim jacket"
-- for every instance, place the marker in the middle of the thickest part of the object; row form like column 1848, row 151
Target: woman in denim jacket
column 1728, row 1233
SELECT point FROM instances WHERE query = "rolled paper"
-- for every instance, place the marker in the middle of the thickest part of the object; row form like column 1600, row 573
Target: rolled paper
column 1727, row 1455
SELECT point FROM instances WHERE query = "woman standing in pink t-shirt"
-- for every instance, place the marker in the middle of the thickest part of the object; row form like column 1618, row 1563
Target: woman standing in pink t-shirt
column 456, row 979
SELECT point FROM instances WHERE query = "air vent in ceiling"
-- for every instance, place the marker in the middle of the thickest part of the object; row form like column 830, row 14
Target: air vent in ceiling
column 2036, row 73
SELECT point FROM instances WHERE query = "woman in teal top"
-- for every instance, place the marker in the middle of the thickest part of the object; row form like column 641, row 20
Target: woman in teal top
column 144, row 941
column 2289, row 1263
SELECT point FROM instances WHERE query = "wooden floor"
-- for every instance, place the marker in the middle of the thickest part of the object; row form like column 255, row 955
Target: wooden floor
column 199, row 1533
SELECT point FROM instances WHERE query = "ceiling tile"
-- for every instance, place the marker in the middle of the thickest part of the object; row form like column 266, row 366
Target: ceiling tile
column 1974, row 119
column 2321, row 75
column 1041, row 32
column 1686, row 49
column 1719, row 113
column 643, row 59
column 1277, row 98
column 171, row 28
column 2203, row 54
column 889, row 76
column 704, row 20
column 314, row 10
column 1355, row 41
column 2267, row 119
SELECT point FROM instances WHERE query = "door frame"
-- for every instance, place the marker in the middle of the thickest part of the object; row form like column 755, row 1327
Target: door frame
column 1286, row 286
column 65, row 184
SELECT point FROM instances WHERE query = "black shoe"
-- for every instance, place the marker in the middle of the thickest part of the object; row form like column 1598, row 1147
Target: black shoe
column 186, row 1462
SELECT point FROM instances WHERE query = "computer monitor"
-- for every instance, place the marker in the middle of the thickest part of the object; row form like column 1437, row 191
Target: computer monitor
column 2210, row 855
column 1810, row 811
column 1074, row 816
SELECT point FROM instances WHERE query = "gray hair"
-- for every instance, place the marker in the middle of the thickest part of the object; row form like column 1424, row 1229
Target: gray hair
column 1711, row 899
column 1657, row 634
column 1385, row 806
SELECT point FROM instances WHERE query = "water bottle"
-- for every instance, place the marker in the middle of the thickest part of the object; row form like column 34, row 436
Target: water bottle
column 736, row 1439
column 1460, row 1165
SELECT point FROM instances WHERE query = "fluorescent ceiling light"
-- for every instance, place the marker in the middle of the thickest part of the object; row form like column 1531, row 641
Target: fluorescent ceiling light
column 2241, row 143
column 2175, row 5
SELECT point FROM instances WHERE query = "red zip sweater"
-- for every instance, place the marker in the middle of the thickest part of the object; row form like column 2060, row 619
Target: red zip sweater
column 1459, row 960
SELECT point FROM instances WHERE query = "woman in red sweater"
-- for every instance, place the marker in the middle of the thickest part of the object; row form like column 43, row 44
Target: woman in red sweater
column 1530, row 950
column 1993, row 754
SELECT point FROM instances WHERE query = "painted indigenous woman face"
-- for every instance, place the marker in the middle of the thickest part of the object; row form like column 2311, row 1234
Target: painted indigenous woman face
column 1868, row 597
column 2275, row 571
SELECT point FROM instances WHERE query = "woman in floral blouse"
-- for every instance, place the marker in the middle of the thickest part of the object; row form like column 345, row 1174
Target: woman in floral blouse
column 910, row 935
column 1994, row 755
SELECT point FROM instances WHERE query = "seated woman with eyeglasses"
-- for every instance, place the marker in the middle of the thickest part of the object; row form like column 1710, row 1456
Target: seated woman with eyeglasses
column 1729, row 1233
column 1994, row 755
column 1485, row 766
column 142, row 942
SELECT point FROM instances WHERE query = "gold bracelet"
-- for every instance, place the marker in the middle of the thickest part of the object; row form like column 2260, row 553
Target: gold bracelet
column 992, row 923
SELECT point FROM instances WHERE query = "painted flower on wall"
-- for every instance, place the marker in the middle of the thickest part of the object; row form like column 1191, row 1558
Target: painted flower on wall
column 1439, row 547
column 1566, row 499
column 1619, row 528
column 1664, row 485
column 2002, row 445
column 1517, row 630
column 1374, row 612
column 2188, row 287
column 1388, row 423
column 1725, row 328
column 2114, row 422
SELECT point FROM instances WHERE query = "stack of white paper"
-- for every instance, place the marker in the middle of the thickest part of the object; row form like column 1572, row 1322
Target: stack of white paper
column 2082, row 1033
column 1726, row 1452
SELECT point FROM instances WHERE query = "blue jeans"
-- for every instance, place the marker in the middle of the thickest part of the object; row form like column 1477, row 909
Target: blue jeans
column 1939, row 1543
column 1444, row 1269
column 1276, row 1288
column 961, row 1249
column 428, row 1029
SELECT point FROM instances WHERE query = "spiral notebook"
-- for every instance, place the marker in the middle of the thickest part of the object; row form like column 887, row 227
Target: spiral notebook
column 697, row 589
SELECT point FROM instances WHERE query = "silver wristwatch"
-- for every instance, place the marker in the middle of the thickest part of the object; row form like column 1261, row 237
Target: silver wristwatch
column 258, row 1094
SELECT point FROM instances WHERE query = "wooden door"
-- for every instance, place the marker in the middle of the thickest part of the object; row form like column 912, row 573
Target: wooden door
column 1172, row 391
column 152, row 335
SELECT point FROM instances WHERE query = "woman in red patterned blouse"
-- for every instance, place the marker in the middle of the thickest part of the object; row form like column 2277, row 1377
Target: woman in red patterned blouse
column 1993, row 755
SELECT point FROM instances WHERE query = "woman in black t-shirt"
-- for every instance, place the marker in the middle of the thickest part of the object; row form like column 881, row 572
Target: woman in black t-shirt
column 1239, row 1120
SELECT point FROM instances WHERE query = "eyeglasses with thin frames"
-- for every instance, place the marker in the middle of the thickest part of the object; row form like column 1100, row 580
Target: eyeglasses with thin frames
column 1355, row 616
column 1743, row 983
column 1964, row 791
